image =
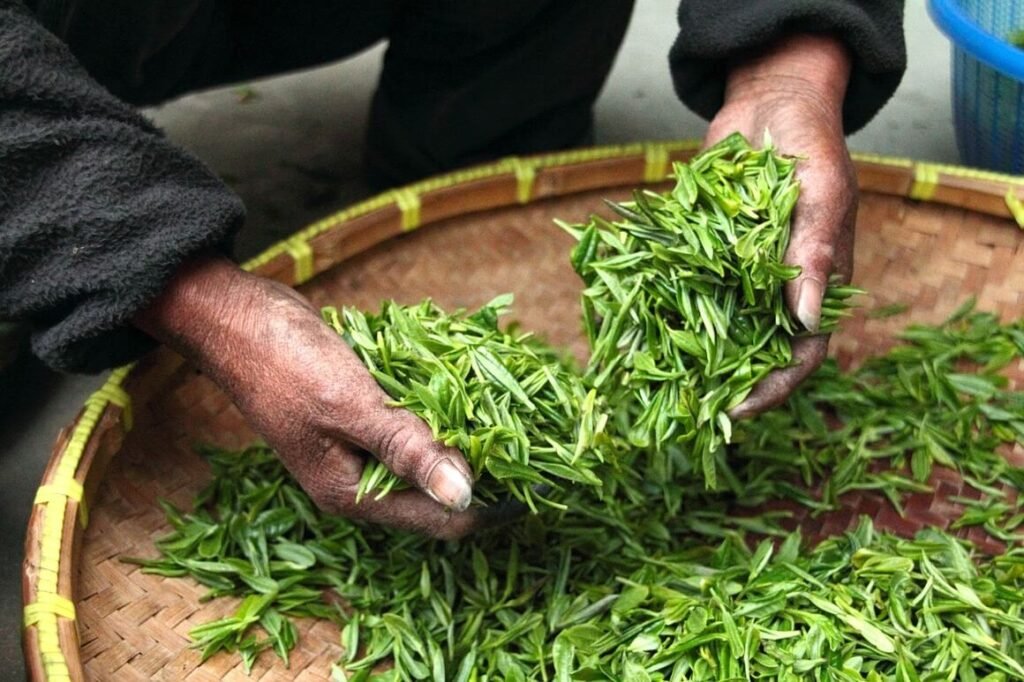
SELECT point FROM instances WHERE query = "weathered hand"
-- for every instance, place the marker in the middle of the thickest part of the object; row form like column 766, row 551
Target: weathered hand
column 795, row 91
column 304, row 390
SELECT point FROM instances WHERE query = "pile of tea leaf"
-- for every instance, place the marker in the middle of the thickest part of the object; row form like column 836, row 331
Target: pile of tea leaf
column 598, row 593
column 684, row 307
column 517, row 409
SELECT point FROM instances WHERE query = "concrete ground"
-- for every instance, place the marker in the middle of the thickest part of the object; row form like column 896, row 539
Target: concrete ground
column 290, row 147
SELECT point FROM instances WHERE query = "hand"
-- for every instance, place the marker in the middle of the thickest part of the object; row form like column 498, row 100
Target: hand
column 310, row 397
column 795, row 90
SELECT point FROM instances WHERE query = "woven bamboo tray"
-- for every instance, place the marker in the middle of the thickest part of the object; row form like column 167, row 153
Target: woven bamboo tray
column 928, row 236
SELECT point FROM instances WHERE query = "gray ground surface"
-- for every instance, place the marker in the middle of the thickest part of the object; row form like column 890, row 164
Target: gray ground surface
column 290, row 146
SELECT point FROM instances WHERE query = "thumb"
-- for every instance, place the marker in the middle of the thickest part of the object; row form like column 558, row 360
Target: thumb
column 405, row 445
column 821, row 242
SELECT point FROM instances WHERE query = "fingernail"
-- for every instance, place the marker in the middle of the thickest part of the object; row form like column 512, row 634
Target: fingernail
column 449, row 486
column 808, row 304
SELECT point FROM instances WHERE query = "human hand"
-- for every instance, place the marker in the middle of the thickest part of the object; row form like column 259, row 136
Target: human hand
column 795, row 90
column 304, row 390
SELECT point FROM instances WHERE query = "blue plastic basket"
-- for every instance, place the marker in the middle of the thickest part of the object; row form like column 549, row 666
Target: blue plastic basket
column 988, row 80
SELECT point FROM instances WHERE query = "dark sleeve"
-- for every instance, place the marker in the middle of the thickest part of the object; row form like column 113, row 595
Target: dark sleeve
column 713, row 32
column 97, row 208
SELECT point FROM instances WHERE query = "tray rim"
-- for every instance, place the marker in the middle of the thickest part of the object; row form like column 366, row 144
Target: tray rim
column 50, row 636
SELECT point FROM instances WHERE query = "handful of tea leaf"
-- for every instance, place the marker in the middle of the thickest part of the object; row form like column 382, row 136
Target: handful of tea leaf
column 514, row 407
column 684, row 305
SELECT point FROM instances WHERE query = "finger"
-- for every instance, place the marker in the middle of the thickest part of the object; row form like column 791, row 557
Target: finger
column 332, row 481
column 822, row 237
column 808, row 354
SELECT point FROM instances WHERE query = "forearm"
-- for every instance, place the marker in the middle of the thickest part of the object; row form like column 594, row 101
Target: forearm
column 97, row 208
column 815, row 65
column 219, row 317
column 194, row 309
column 716, row 35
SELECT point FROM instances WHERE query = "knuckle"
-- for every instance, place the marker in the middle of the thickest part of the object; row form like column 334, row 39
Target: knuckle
column 333, row 397
column 338, row 404
column 329, row 481
column 340, row 502
column 398, row 447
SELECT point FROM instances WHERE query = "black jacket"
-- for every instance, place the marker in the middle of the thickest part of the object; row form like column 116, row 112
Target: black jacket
column 97, row 208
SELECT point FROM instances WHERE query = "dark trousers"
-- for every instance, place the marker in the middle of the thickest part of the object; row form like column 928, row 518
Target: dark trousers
column 464, row 80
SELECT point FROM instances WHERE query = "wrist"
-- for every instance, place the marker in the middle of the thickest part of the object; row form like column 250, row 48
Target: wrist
column 193, row 311
column 815, row 66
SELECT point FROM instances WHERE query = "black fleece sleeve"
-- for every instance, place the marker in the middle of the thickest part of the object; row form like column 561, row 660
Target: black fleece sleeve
column 712, row 33
column 97, row 208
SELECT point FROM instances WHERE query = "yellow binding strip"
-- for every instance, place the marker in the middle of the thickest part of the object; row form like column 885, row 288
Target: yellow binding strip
column 882, row 160
column 114, row 394
column 941, row 168
column 64, row 490
column 49, row 604
column 926, row 179
column 70, row 490
column 302, row 253
column 1016, row 206
column 408, row 201
column 525, row 176
column 655, row 162
column 977, row 174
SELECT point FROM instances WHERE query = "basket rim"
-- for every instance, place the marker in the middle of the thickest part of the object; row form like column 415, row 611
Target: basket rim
column 965, row 34
column 50, row 637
